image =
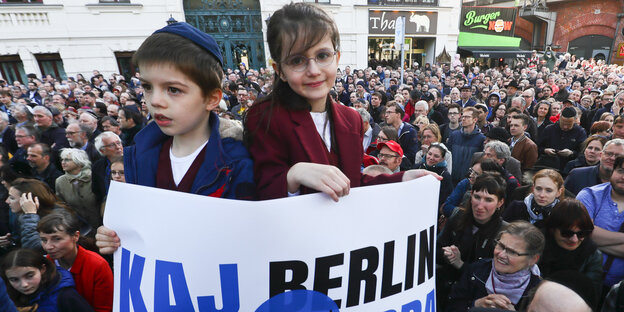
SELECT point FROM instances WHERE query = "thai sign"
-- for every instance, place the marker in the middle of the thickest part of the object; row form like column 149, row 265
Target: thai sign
column 488, row 20
column 416, row 23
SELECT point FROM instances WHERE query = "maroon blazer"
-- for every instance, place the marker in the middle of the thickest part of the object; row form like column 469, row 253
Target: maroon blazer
column 291, row 137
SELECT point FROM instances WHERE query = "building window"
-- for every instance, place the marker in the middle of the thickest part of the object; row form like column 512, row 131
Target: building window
column 21, row 1
column 12, row 69
column 403, row 2
column 51, row 64
column 125, row 65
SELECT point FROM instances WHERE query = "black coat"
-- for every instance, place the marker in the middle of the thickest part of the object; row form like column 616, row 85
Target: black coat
column 471, row 286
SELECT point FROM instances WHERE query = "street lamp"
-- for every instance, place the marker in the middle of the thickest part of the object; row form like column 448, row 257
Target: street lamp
column 171, row 20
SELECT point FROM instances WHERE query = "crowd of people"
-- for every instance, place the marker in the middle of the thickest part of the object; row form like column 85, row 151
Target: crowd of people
column 530, row 158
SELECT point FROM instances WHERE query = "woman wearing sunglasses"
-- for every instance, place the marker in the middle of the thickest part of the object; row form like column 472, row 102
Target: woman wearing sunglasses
column 568, row 243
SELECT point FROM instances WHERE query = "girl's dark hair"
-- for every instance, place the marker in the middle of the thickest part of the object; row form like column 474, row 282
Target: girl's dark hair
column 187, row 57
column 60, row 220
column 25, row 257
column 440, row 148
column 493, row 184
column 490, row 165
column 391, row 133
column 47, row 198
column 567, row 214
column 302, row 23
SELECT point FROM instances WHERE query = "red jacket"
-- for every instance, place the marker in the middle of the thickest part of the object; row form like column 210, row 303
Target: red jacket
column 292, row 138
column 94, row 279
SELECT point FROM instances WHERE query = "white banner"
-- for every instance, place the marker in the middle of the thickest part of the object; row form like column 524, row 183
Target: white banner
column 374, row 250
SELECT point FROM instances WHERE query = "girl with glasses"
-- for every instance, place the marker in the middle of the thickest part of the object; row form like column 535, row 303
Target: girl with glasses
column 300, row 140
column 569, row 245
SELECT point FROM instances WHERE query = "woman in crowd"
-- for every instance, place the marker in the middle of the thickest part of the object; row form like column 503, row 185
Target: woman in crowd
column 74, row 187
column 555, row 111
column 59, row 232
column 542, row 111
column 608, row 117
column 34, row 283
column 503, row 281
column 301, row 141
column 493, row 101
column 592, row 149
column 569, row 245
column 30, row 200
column 430, row 134
column 434, row 161
column 421, row 121
column 546, row 192
column 498, row 114
column 469, row 234
column 601, row 128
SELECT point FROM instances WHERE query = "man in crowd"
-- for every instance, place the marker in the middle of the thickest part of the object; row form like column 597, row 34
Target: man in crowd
column 77, row 136
column 390, row 155
column 7, row 134
column 465, row 97
column 465, row 142
column 408, row 137
column 605, row 205
column 44, row 169
column 50, row 133
column 25, row 136
column 562, row 140
column 583, row 177
column 522, row 148
column 109, row 146
column 453, row 124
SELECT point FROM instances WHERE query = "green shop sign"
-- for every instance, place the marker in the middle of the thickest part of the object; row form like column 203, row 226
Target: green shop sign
column 488, row 20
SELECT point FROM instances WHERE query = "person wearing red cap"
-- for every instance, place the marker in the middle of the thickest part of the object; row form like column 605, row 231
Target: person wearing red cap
column 390, row 155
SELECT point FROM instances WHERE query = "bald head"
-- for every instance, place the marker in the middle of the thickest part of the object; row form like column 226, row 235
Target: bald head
column 548, row 298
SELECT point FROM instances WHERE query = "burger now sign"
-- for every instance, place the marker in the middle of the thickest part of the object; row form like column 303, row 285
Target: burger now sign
column 488, row 20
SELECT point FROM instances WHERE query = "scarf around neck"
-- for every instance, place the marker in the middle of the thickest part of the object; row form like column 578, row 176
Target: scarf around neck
column 511, row 285
column 537, row 212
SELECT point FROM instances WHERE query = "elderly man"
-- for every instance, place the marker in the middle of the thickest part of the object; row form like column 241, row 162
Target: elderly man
column 39, row 159
column 583, row 177
column 89, row 120
column 25, row 136
column 500, row 153
column 370, row 130
column 109, row 146
column 50, row 133
column 77, row 136
column 22, row 114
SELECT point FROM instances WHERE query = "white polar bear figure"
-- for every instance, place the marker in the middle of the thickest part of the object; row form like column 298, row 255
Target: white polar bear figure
column 421, row 21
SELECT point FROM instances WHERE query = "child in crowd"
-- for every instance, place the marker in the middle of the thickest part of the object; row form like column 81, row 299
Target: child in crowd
column 59, row 233
column 35, row 284
column 301, row 140
column 183, row 149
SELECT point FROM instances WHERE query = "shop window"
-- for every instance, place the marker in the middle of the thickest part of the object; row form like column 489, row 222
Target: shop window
column 51, row 64
column 125, row 65
column 12, row 69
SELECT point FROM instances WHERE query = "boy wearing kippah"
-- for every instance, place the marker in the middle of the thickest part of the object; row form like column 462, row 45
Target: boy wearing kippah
column 183, row 150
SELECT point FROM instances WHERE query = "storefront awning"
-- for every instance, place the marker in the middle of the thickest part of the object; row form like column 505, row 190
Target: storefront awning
column 496, row 52
column 467, row 39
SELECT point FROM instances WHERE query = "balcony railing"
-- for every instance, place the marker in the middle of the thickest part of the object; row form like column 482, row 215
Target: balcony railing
column 404, row 2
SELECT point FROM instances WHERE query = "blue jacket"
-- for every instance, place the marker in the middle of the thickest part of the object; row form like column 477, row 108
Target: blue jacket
column 580, row 178
column 408, row 139
column 48, row 299
column 462, row 146
column 6, row 304
column 227, row 168
column 456, row 197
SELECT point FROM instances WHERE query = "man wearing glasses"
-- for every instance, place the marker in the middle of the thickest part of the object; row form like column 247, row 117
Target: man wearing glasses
column 408, row 137
column 109, row 145
column 605, row 204
column 583, row 177
column 390, row 155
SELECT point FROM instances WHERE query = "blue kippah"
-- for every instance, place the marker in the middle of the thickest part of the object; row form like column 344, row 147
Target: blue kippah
column 199, row 37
